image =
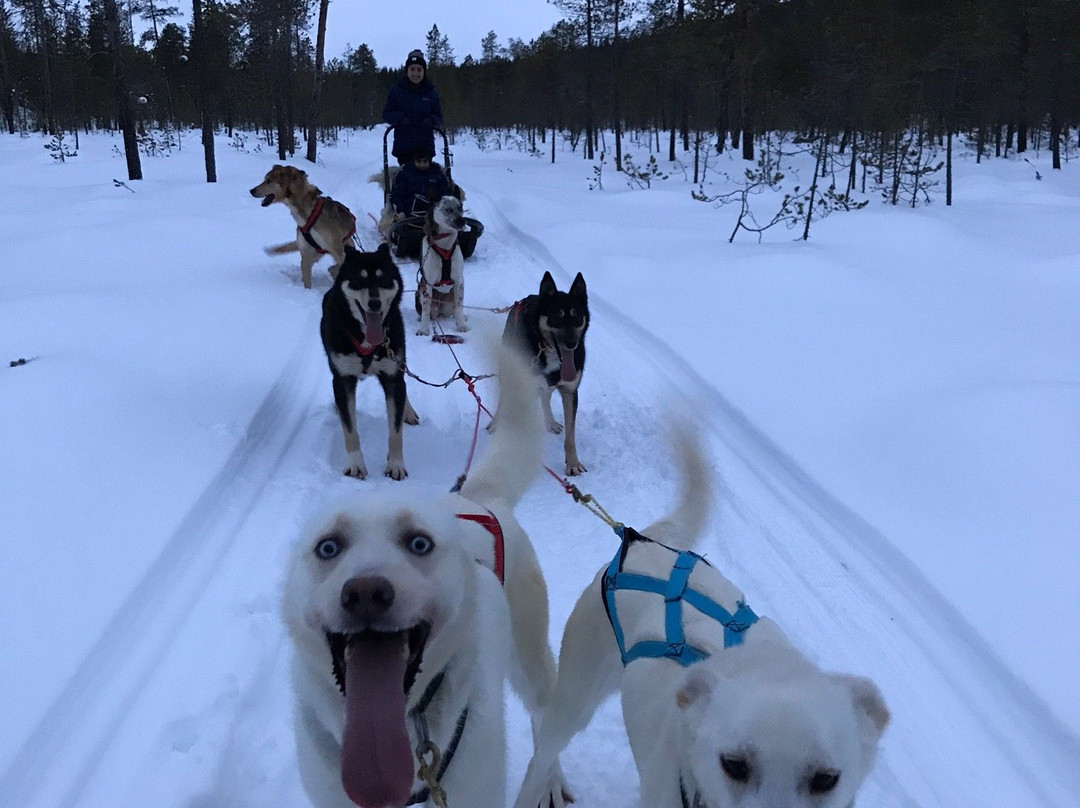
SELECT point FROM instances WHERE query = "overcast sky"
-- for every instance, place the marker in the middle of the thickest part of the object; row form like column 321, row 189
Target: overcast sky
column 392, row 30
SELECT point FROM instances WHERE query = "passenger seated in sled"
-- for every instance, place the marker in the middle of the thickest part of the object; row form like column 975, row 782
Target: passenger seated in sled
column 416, row 184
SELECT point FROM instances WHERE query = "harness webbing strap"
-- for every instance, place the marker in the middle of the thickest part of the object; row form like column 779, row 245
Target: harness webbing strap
column 428, row 694
column 444, row 252
column 313, row 217
column 492, row 526
column 316, row 212
column 685, row 798
column 675, row 591
column 363, row 350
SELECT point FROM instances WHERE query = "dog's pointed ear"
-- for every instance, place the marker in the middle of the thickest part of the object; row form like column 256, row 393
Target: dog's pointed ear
column 547, row 285
column 870, row 709
column 383, row 251
column 577, row 288
column 699, row 684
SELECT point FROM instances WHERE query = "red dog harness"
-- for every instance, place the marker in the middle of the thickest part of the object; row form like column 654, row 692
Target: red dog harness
column 360, row 348
column 444, row 252
column 316, row 212
column 492, row 526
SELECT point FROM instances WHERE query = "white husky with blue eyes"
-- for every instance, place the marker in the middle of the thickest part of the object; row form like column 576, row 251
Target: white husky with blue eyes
column 744, row 722
column 402, row 638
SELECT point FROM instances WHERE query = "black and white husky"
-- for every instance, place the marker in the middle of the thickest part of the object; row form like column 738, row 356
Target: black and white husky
column 442, row 266
column 550, row 328
column 363, row 335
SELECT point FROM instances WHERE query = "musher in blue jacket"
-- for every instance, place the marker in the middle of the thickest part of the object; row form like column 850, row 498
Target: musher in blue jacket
column 414, row 110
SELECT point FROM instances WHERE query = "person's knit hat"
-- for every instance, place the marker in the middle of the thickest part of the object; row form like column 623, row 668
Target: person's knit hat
column 415, row 57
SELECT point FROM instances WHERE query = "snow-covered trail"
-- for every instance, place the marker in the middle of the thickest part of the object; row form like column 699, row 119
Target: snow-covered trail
column 183, row 699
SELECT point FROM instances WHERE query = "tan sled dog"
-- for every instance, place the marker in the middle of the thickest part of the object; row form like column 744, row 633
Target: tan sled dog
column 323, row 226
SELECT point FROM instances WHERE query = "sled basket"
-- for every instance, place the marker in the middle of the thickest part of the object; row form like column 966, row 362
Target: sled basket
column 406, row 235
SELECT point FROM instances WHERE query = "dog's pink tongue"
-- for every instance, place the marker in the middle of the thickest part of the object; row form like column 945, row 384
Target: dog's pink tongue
column 373, row 330
column 376, row 759
column 567, row 370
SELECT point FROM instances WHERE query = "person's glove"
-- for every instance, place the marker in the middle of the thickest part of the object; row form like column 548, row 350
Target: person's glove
column 427, row 123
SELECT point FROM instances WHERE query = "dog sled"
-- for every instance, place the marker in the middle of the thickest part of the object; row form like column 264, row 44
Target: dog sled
column 406, row 235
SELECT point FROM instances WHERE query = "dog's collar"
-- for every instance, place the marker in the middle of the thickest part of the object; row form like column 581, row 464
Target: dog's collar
column 491, row 524
column 676, row 591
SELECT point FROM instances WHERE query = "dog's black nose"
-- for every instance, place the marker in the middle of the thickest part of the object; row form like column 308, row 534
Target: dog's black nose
column 374, row 304
column 367, row 597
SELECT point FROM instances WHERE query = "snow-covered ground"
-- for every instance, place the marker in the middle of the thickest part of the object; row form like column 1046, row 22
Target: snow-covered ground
column 893, row 408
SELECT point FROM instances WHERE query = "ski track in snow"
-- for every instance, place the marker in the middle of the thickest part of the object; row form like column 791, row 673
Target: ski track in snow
column 127, row 734
column 90, row 712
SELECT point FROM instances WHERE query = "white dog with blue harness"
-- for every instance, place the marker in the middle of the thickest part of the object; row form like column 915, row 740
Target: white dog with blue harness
column 721, row 710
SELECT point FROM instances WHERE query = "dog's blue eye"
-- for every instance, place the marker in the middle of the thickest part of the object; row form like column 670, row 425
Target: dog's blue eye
column 736, row 768
column 420, row 544
column 824, row 781
column 328, row 548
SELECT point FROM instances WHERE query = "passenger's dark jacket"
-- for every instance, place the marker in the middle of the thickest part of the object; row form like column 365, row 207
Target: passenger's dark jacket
column 412, row 188
column 414, row 111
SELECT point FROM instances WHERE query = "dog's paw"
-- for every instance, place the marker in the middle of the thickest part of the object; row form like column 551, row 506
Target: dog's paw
column 462, row 325
column 557, row 793
column 396, row 471
column 554, row 427
column 410, row 417
column 574, row 468
column 353, row 470
column 423, row 331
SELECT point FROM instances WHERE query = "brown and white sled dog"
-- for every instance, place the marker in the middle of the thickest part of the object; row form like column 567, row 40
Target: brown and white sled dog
column 323, row 226
column 549, row 328
column 401, row 637
column 720, row 708
column 363, row 335
column 442, row 266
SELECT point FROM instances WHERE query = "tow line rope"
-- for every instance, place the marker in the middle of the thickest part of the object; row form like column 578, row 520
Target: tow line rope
column 587, row 500
column 590, row 503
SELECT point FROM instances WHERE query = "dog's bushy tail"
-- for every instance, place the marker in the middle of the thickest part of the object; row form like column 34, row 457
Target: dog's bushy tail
column 378, row 178
column 512, row 456
column 281, row 249
column 686, row 522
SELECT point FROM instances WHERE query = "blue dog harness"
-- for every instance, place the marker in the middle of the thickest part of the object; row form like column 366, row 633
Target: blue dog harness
column 676, row 592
